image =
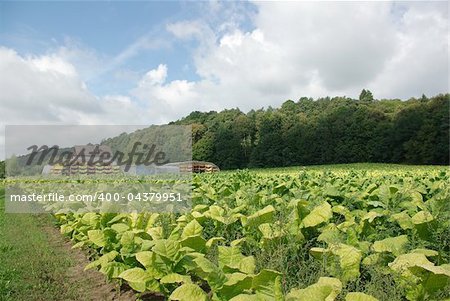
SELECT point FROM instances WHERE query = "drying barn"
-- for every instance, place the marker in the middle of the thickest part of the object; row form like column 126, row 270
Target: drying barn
column 81, row 166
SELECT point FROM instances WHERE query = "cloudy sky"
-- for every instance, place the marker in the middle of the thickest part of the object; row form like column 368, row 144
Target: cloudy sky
column 153, row 62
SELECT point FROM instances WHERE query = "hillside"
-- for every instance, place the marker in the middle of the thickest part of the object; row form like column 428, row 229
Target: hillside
column 321, row 131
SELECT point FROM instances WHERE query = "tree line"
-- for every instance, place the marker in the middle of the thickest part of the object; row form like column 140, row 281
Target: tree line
column 318, row 131
column 325, row 131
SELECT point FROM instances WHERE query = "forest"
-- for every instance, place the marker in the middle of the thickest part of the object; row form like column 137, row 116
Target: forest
column 317, row 131
column 325, row 131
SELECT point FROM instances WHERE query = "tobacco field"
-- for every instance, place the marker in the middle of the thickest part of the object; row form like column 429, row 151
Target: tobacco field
column 376, row 233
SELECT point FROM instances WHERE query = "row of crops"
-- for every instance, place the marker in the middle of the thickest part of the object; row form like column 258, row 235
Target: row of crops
column 309, row 235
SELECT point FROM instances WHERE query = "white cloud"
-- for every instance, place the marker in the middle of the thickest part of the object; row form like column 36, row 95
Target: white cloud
column 319, row 49
column 53, row 64
column 186, row 29
column 48, row 90
column 154, row 77
column 421, row 63
column 290, row 49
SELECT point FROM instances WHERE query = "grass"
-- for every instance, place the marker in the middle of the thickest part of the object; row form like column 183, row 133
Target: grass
column 385, row 167
column 31, row 266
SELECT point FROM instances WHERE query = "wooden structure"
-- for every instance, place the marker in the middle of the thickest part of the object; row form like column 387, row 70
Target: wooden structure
column 197, row 166
column 83, row 155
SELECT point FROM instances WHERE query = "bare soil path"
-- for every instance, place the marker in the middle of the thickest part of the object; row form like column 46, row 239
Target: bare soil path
column 38, row 263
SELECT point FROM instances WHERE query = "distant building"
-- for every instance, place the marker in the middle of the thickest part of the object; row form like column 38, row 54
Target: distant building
column 173, row 168
column 152, row 169
column 196, row 166
column 81, row 156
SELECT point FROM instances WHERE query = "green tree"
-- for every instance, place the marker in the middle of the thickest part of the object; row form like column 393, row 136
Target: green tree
column 12, row 166
column 2, row 170
column 366, row 95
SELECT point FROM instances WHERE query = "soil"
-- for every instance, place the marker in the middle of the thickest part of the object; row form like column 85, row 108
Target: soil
column 95, row 285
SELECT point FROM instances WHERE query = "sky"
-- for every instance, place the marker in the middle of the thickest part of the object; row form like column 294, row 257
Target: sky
column 141, row 63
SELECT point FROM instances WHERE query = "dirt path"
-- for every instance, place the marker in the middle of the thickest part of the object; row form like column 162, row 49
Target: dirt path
column 38, row 264
column 95, row 286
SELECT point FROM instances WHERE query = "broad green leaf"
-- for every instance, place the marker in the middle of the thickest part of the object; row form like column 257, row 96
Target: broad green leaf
column 371, row 216
column 200, row 208
column 330, row 234
column 118, row 218
column 372, row 259
column 153, row 285
column 214, row 240
column 277, row 290
column 210, row 272
column 426, row 252
column 334, row 283
column 349, row 260
column 441, row 270
column 156, row 233
column 315, row 292
column 168, row 249
column 145, row 258
column 233, row 258
column 230, row 256
column 270, row 230
column 423, row 222
column 332, row 192
column 138, row 286
column 113, row 269
column 264, row 283
column 262, row 216
column 403, row 262
column 91, row 219
column 153, row 263
column 318, row 215
column 433, row 277
column 356, row 296
column 236, row 284
column 127, row 241
column 175, row 234
column 238, row 242
column 246, row 297
column 234, row 278
column 193, row 228
column 319, row 253
column 189, row 292
column 200, row 217
column 343, row 261
column 417, row 199
column 422, row 217
column 120, row 227
column 78, row 245
column 97, row 237
column 394, row 245
column 66, row 229
column 347, row 225
column 196, row 243
column 146, row 244
column 152, row 219
column 102, row 260
column 175, row 278
column 217, row 213
column 404, row 220
column 341, row 210
column 247, row 265
column 136, row 275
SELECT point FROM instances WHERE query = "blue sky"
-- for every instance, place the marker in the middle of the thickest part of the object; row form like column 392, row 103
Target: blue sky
column 108, row 29
column 153, row 62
